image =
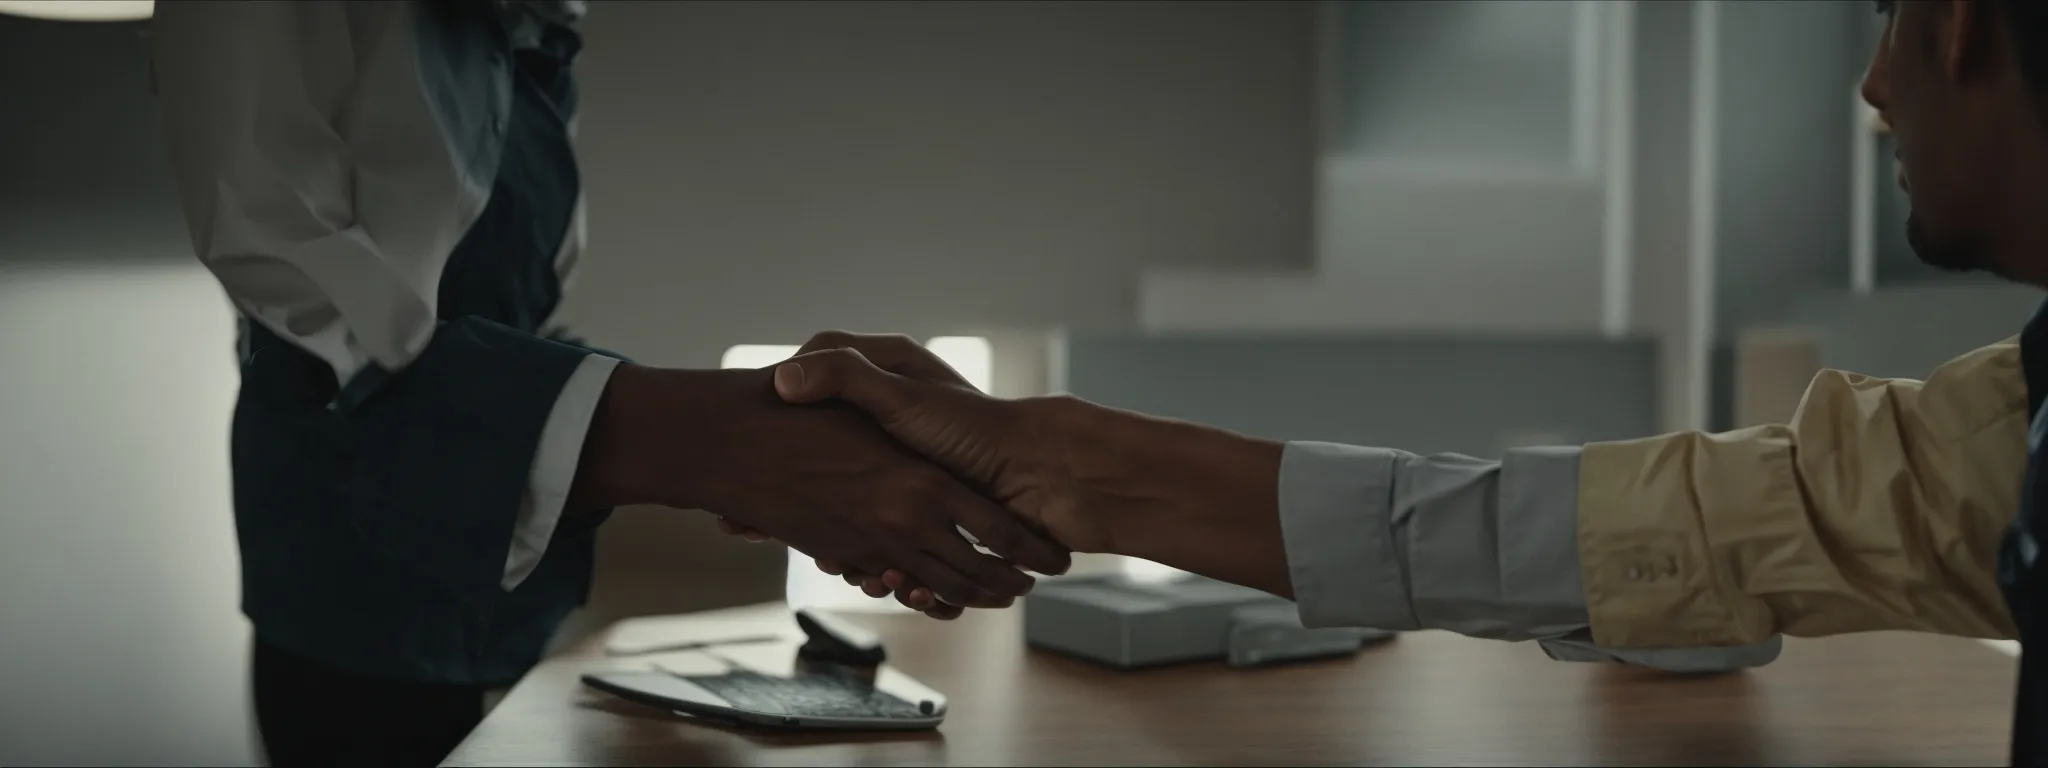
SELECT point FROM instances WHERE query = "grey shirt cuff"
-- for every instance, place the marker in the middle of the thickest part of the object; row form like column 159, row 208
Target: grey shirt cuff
column 1392, row 540
column 1578, row 646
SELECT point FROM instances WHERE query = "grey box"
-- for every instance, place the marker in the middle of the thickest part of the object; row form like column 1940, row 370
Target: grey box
column 1124, row 623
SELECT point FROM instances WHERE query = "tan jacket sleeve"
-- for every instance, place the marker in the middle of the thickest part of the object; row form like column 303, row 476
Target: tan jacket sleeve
column 1880, row 506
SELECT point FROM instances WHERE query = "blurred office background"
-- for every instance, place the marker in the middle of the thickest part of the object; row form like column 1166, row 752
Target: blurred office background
column 1442, row 226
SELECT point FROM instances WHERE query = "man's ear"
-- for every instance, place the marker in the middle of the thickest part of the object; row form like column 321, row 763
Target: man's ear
column 1962, row 34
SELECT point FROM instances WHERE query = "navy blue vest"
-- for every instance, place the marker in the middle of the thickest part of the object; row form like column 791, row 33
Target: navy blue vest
column 2019, row 572
column 371, row 538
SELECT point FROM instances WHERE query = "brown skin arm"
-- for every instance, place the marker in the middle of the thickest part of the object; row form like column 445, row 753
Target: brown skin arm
column 1197, row 498
column 824, row 480
column 1097, row 479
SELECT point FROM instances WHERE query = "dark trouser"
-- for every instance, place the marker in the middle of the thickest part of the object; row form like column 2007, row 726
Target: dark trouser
column 311, row 715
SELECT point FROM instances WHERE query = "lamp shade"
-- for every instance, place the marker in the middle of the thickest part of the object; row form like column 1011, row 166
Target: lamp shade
column 79, row 10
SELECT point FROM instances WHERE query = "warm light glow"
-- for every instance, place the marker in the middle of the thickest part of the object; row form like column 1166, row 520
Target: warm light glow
column 972, row 356
column 79, row 10
column 757, row 355
column 1148, row 572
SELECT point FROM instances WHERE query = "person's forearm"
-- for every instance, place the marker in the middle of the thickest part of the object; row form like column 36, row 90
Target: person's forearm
column 657, row 433
column 1196, row 498
column 1211, row 502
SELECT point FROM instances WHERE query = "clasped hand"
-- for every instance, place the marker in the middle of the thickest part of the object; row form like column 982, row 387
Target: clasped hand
column 997, row 449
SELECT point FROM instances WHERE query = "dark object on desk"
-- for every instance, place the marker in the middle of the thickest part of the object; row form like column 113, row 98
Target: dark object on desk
column 692, row 645
column 810, row 699
column 783, row 686
column 835, row 640
column 1128, row 624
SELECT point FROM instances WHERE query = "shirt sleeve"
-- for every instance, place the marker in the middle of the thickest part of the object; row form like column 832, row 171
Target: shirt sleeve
column 1879, row 506
column 329, row 223
column 285, row 181
column 554, row 467
column 1387, row 539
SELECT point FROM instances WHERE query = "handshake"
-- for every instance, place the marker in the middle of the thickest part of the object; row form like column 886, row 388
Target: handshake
column 870, row 455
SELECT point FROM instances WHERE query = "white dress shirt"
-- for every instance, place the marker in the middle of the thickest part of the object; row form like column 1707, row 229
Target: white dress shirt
column 320, row 187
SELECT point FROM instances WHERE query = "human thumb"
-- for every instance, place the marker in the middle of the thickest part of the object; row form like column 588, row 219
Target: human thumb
column 789, row 383
column 843, row 374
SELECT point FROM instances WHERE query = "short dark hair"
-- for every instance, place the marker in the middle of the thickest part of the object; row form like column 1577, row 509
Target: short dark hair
column 2026, row 27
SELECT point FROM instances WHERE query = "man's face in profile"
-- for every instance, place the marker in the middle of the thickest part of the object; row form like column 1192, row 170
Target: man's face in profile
column 1914, row 82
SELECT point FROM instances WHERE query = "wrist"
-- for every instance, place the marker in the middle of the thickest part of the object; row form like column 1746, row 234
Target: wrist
column 1061, row 465
column 1135, row 472
column 1189, row 496
column 658, row 434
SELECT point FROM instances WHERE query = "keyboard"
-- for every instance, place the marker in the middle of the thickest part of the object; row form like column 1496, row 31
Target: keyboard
column 810, row 694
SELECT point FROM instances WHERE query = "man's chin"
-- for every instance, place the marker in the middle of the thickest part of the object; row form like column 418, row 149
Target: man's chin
column 1946, row 259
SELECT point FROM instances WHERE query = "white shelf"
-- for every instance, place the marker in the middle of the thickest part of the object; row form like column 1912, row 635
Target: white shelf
column 1303, row 301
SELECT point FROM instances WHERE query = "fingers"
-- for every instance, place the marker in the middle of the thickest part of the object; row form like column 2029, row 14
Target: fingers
column 894, row 352
column 991, row 575
column 919, row 538
column 919, row 598
column 1005, row 534
column 871, row 585
column 950, row 585
column 731, row 528
column 909, row 593
column 912, row 595
column 843, row 374
column 924, row 522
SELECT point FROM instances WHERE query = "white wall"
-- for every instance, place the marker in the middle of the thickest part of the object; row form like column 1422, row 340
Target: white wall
column 1787, row 72
column 1453, row 152
column 1448, row 161
column 120, row 638
column 1481, row 81
column 761, row 171
column 1407, row 248
column 1661, row 282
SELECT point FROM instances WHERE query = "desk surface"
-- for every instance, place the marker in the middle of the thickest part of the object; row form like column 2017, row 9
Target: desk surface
column 1427, row 698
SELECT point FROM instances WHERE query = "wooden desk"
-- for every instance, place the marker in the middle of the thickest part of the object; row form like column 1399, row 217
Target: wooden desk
column 1428, row 698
